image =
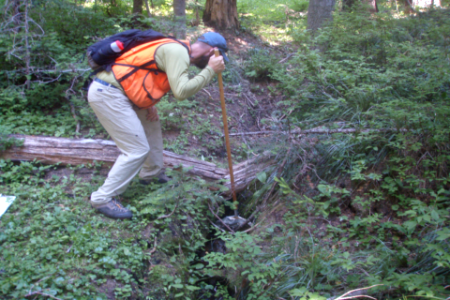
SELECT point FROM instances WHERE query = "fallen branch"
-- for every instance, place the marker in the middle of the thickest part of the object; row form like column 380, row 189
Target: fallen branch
column 167, row 216
column 208, row 93
column 154, row 247
column 356, row 297
column 250, row 218
column 33, row 70
column 252, row 228
column 42, row 294
column 286, row 58
column 72, row 107
column 319, row 131
column 74, row 115
column 343, row 297
column 221, row 221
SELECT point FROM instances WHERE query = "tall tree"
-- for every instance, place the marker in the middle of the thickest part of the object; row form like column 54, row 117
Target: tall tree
column 319, row 12
column 179, row 9
column 137, row 6
column 148, row 8
column 221, row 14
column 373, row 6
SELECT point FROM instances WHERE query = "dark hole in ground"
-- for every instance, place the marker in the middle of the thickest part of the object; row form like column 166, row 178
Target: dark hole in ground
column 215, row 244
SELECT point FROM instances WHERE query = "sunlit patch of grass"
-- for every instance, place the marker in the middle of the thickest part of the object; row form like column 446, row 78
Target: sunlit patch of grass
column 274, row 35
column 272, row 20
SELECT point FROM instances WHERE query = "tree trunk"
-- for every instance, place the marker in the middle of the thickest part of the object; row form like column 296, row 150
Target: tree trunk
column 319, row 13
column 221, row 14
column 53, row 150
column 148, row 9
column 137, row 6
column 179, row 9
column 373, row 6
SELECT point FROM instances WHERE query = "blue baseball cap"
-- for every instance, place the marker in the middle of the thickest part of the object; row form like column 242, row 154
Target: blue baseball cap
column 215, row 40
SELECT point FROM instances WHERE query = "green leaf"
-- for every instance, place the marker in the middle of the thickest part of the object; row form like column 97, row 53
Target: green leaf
column 410, row 226
column 298, row 292
column 262, row 177
column 192, row 288
column 324, row 189
column 443, row 234
column 198, row 266
column 435, row 215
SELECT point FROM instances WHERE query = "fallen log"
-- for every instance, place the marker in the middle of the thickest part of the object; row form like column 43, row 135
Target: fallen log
column 65, row 151
column 246, row 171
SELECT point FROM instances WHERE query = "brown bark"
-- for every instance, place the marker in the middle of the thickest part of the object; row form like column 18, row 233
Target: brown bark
column 221, row 14
column 319, row 13
column 52, row 150
column 245, row 172
column 179, row 9
column 373, row 6
column 197, row 17
column 137, row 6
column 409, row 7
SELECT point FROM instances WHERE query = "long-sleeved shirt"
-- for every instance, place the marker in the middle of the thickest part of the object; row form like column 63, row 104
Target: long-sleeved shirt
column 173, row 59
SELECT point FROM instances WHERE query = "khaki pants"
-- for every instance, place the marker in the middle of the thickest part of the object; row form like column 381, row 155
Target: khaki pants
column 140, row 141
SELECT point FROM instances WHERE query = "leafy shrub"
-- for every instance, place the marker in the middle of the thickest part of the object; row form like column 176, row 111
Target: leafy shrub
column 6, row 141
column 384, row 75
column 378, row 73
column 299, row 5
column 76, row 27
column 261, row 64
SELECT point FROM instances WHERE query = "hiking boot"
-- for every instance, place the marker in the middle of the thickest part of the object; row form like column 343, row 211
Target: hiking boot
column 161, row 179
column 113, row 209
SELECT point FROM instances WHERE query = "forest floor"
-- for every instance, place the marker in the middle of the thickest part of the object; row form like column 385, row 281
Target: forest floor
column 311, row 238
column 250, row 107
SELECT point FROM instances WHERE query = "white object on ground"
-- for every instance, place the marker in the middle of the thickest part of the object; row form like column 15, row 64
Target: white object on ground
column 5, row 202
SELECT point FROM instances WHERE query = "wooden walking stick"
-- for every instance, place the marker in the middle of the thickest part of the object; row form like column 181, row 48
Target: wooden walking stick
column 227, row 138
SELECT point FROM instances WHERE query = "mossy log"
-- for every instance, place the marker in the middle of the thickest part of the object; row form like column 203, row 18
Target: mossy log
column 65, row 151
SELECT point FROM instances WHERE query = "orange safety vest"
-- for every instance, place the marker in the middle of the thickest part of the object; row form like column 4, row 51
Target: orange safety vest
column 137, row 73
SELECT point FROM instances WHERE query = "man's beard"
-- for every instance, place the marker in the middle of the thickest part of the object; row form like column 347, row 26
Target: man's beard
column 201, row 62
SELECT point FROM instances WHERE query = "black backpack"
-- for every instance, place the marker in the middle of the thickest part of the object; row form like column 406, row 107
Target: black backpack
column 101, row 55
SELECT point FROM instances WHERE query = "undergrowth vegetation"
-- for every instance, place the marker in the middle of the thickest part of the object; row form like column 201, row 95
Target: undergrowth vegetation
column 387, row 184
column 363, row 202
